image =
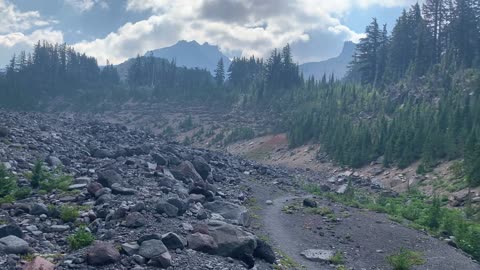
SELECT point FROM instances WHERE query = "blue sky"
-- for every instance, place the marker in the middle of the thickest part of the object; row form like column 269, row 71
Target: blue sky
column 119, row 29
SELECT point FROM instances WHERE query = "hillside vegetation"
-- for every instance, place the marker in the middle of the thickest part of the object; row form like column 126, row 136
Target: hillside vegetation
column 410, row 95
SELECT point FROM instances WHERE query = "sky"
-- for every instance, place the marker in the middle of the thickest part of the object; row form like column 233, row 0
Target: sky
column 116, row 30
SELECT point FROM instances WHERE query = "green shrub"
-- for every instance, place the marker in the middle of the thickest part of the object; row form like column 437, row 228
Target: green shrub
column 69, row 213
column 38, row 174
column 82, row 238
column 22, row 193
column 46, row 181
column 8, row 182
column 337, row 258
column 58, row 181
column 405, row 259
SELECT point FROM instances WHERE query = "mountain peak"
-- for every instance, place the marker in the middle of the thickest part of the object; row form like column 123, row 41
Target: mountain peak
column 337, row 65
column 192, row 55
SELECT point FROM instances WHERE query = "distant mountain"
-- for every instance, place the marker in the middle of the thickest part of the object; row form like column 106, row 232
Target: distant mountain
column 337, row 65
column 192, row 55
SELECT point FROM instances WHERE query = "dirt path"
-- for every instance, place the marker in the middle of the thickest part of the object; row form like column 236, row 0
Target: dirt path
column 365, row 238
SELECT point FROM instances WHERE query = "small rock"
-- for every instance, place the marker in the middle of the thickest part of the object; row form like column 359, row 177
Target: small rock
column 308, row 202
column 318, row 255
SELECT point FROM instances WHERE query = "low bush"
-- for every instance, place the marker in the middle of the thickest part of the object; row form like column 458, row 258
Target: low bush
column 69, row 213
column 81, row 238
column 405, row 259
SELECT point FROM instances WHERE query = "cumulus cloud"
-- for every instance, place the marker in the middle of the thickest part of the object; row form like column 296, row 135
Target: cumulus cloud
column 20, row 30
column 47, row 34
column 86, row 5
column 249, row 26
column 13, row 20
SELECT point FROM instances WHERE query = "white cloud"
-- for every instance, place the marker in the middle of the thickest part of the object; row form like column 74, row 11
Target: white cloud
column 86, row 5
column 17, row 38
column 250, row 26
column 13, row 20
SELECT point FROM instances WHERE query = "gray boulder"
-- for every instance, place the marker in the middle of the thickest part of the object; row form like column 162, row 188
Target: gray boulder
column 264, row 251
column 202, row 167
column 186, row 172
column 159, row 159
column 53, row 161
column 10, row 229
column 13, row 245
column 135, row 220
column 202, row 242
column 118, row 189
column 164, row 260
column 236, row 213
column 173, row 241
column 166, row 208
column 152, row 248
column 130, row 248
column 38, row 208
column 233, row 241
column 109, row 177
column 102, row 253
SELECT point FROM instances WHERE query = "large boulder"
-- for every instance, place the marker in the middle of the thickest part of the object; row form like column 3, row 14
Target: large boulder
column 109, row 177
column 38, row 209
column 39, row 263
column 186, row 172
column 159, row 159
column 173, row 241
column 13, row 245
column 233, row 241
column 152, row 248
column 102, row 253
column 202, row 242
column 53, row 161
column 202, row 167
column 10, row 229
column 167, row 208
column 235, row 213
column 119, row 189
column 180, row 204
column 264, row 251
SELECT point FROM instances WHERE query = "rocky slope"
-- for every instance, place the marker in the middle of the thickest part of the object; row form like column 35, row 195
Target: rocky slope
column 148, row 203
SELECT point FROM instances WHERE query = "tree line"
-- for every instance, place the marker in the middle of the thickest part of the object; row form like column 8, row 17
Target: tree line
column 412, row 94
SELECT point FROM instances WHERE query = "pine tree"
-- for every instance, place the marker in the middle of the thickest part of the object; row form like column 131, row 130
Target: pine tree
column 220, row 72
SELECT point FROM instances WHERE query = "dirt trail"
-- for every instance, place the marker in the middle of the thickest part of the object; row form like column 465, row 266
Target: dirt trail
column 365, row 238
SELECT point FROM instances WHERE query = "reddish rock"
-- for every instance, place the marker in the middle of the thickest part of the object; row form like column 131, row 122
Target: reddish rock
column 39, row 263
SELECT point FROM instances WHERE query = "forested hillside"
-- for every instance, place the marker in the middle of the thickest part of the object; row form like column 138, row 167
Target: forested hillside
column 412, row 94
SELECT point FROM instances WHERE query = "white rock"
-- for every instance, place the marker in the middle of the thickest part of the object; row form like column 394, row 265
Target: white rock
column 318, row 255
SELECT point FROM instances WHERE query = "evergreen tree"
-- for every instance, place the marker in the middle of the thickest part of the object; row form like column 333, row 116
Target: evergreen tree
column 220, row 73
